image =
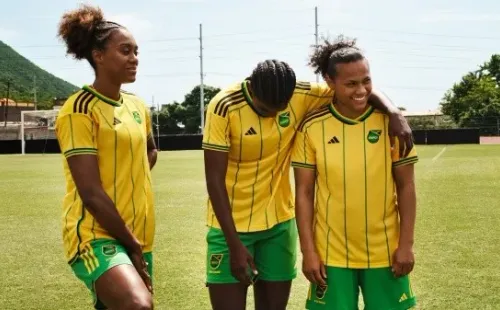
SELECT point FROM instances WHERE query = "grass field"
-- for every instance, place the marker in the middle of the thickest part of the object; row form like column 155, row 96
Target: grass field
column 457, row 239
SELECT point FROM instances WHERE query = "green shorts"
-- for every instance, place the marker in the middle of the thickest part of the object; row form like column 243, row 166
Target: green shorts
column 380, row 289
column 100, row 256
column 274, row 252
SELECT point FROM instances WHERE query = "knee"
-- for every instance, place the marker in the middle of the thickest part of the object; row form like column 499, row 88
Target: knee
column 139, row 303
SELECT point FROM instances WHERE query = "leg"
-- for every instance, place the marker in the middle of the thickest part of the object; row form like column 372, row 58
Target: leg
column 122, row 288
column 226, row 293
column 381, row 290
column 275, row 258
column 272, row 295
column 340, row 292
column 108, row 273
column 228, row 296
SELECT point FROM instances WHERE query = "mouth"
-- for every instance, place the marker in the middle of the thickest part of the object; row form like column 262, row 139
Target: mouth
column 132, row 70
column 359, row 98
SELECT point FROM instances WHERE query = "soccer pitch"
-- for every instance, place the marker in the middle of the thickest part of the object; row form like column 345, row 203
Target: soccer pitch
column 457, row 233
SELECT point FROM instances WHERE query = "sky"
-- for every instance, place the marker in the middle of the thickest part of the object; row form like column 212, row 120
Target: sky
column 417, row 49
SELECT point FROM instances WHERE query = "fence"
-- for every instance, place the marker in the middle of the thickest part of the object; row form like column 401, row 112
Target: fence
column 193, row 142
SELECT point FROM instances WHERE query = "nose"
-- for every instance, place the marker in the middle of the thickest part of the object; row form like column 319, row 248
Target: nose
column 361, row 90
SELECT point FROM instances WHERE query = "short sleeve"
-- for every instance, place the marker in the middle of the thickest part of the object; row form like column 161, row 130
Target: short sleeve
column 149, row 125
column 397, row 161
column 75, row 134
column 303, row 153
column 216, row 134
column 319, row 96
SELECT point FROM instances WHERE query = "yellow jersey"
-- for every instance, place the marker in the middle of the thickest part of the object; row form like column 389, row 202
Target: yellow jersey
column 116, row 132
column 356, row 222
column 257, row 178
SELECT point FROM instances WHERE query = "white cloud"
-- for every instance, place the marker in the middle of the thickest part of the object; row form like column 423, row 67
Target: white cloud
column 437, row 17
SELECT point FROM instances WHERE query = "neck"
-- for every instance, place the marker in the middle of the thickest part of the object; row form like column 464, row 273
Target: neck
column 346, row 111
column 107, row 88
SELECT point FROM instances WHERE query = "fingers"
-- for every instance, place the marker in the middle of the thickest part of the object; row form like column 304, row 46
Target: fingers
column 141, row 267
column 397, row 269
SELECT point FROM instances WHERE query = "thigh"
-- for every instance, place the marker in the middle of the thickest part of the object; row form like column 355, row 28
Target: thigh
column 271, row 295
column 218, row 266
column 107, row 271
column 381, row 290
column 228, row 296
column 340, row 293
column 276, row 253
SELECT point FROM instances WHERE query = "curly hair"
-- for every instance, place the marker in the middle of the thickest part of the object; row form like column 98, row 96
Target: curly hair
column 273, row 83
column 326, row 56
column 84, row 30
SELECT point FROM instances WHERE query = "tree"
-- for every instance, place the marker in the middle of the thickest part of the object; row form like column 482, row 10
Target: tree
column 475, row 100
column 184, row 117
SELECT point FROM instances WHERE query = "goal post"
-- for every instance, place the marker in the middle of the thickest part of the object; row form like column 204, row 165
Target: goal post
column 37, row 125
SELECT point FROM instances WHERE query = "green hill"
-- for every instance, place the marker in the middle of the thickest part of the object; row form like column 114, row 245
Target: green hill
column 21, row 73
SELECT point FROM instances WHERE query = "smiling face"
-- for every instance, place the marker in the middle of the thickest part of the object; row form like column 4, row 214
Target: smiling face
column 352, row 85
column 118, row 61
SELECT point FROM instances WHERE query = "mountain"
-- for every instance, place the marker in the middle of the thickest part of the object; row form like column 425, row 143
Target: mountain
column 22, row 73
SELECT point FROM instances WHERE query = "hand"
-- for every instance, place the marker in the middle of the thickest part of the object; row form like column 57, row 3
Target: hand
column 398, row 127
column 403, row 261
column 313, row 268
column 140, row 265
column 240, row 259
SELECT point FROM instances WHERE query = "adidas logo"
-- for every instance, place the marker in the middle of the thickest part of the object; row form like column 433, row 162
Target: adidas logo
column 403, row 298
column 250, row 132
column 116, row 121
column 333, row 140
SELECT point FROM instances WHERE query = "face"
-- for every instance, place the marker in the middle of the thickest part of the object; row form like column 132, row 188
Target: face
column 264, row 109
column 119, row 59
column 352, row 85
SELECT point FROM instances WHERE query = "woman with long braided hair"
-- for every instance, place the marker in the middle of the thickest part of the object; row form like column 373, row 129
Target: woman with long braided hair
column 106, row 138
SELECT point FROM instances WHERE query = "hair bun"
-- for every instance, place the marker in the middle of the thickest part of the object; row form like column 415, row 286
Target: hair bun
column 77, row 28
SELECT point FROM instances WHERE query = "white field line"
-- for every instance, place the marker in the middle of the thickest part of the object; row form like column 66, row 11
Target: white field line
column 439, row 154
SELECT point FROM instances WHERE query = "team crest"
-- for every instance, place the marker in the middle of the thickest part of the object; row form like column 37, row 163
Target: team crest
column 284, row 119
column 374, row 135
column 215, row 260
column 109, row 250
column 321, row 291
column 137, row 117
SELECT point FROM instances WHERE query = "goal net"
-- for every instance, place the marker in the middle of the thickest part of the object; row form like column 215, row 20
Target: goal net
column 37, row 125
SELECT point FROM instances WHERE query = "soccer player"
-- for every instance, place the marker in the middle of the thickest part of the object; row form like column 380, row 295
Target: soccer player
column 106, row 138
column 247, row 145
column 355, row 195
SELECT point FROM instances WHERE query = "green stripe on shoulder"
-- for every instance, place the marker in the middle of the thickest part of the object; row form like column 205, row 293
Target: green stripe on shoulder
column 312, row 117
column 214, row 147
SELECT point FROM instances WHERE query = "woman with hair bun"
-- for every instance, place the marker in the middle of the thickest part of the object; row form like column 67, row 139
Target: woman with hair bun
column 106, row 137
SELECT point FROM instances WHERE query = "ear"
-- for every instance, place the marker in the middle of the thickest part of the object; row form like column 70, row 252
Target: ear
column 97, row 56
column 329, row 81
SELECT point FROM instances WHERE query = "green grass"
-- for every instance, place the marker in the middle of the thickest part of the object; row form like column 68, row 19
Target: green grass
column 457, row 239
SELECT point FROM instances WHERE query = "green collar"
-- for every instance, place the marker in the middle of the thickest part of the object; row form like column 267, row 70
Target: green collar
column 347, row 120
column 104, row 98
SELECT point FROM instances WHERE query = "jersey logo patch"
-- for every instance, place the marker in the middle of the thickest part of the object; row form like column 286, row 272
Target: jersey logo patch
column 250, row 132
column 137, row 117
column 109, row 250
column 373, row 136
column 116, row 121
column 321, row 291
column 333, row 140
column 284, row 119
column 215, row 260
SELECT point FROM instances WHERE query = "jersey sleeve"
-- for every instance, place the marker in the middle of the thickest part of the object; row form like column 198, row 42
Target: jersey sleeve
column 216, row 134
column 75, row 134
column 397, row 161
column 319, row 95
column 303, row 153
column 149, row 125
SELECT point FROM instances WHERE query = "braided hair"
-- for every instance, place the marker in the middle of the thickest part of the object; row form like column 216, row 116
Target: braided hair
column 326, row 56
column 273, row 82
column 84, row 30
